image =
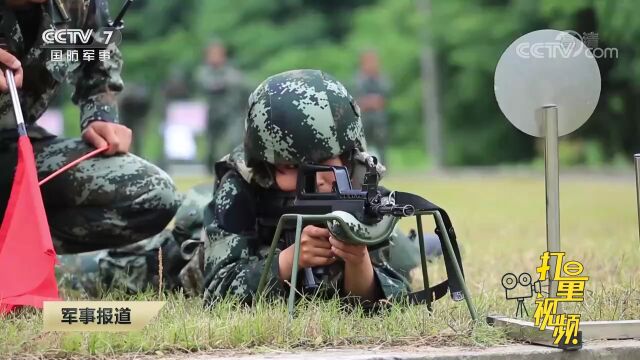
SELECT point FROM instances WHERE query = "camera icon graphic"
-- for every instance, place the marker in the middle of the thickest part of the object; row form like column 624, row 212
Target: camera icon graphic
column 520, row 288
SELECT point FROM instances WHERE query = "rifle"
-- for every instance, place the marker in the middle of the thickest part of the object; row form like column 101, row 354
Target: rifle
column 368, row 206
column 365, row 217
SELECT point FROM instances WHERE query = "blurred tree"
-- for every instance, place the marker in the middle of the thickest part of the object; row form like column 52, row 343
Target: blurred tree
column 265, row 37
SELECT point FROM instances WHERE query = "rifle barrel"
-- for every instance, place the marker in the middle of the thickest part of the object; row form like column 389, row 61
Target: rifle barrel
column 396, row 210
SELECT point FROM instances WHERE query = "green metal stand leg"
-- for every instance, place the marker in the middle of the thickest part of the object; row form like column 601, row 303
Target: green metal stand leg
column 447, row 242
column 294, row 267
column 423, row 257
column 267, row 266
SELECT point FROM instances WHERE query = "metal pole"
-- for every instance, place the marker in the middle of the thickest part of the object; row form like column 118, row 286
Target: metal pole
column 15, row 99
column 637, row 161
column 432, row 114
column 552, row 187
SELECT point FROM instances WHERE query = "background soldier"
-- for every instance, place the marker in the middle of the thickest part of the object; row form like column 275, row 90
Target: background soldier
column 81, row 204
column 226, row 93
column 372, row 89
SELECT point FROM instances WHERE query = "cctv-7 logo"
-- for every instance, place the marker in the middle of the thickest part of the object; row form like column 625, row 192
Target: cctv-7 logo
column 109, row 34
column 104, row 36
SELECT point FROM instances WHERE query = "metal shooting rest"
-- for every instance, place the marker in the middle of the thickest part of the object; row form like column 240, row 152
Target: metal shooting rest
column 547, row 83
column 346, row 224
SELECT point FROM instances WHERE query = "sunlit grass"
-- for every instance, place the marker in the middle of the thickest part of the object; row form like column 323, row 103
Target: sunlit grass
column 500, row 222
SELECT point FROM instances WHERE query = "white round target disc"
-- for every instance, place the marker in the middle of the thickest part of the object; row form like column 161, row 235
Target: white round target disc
column 543, row 68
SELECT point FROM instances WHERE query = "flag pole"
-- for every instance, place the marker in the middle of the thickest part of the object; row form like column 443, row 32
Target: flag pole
column 22, row 130
column 17, row 109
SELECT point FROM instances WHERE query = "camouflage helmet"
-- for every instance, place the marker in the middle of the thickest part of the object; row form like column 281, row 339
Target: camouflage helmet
column 299, row 116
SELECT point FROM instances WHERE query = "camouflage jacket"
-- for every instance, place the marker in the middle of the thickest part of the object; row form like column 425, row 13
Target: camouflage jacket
column 96, row 83
column 234, row 252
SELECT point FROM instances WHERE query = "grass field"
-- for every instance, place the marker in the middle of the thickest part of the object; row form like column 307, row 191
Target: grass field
column 500, row 222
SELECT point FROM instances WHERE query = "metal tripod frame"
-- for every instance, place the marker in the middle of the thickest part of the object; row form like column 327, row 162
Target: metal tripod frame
column 323, row 219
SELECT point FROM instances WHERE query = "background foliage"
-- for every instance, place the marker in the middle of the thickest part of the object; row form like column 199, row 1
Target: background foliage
column 265, row 37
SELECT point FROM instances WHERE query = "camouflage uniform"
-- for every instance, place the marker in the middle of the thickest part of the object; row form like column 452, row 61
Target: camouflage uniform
column 135, row 267
column 294, row 117
column 234, row 260
column 103, row 202
column 375, row 122
column 226, row 92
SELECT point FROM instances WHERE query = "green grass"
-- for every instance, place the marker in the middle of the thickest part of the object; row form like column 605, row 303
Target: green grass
column 500, row 222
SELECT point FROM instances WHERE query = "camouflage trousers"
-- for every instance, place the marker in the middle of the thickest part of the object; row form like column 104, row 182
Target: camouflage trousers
column 131, row 269
column 148, row 264
column 103, row 202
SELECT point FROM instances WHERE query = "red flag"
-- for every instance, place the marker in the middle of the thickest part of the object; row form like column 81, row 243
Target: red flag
column 27, row 256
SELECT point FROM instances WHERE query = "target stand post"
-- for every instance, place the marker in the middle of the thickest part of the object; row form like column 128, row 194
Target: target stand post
column 551, row 96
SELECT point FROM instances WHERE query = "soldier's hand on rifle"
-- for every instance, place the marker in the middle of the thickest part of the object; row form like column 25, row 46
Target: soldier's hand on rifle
column 315, row 250
column 101, row 133
column 11, row 62
column 359, row 279
column 351, row 254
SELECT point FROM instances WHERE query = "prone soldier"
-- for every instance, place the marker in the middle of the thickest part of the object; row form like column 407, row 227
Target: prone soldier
column 294, row 117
